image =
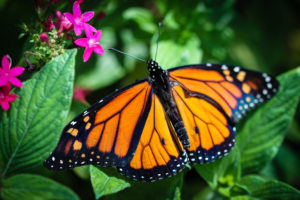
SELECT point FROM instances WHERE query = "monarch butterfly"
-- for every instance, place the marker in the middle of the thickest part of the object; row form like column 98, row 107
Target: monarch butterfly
column 151, row 129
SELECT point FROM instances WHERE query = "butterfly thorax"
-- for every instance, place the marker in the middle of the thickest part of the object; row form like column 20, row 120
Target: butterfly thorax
column 159, row 80
column 157, row 76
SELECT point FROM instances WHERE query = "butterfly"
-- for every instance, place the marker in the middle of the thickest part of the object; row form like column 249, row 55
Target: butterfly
column 153, row 128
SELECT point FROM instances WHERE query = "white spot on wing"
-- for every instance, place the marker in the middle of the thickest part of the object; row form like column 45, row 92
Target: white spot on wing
column 236, row 69
column 265, row 91
column 224, row 67
column 269, row 85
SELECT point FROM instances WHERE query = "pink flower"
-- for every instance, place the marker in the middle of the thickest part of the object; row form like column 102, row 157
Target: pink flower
column 44, row 38
column 48, row 24
column 5, row 97
column 79, row 20
column 9, row 75
column 62, row 23
column 80, row 94
column 91, row 42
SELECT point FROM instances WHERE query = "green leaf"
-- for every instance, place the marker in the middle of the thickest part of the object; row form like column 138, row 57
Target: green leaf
column 83, row 172
column 166, row 189
column 244, row 198
column 238, row 190
column 142, row 17
column 225, row 171
column 263, row 132
column 287, row 163
column 171, row 54
column 31, row 127
column 104, row 184
column 269, row 189
column 29, row 186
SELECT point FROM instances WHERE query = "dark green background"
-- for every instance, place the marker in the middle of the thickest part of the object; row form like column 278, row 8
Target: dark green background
column 262, row 35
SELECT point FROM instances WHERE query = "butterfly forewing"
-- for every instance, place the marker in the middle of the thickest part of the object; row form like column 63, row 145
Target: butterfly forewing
column 235, row 90
column 107, row 133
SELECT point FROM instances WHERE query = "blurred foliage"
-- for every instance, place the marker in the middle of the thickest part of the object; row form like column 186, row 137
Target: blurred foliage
column 259, row 35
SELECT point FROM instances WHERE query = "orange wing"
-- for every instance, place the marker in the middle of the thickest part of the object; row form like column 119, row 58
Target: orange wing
column 107, row 133
column 210, row 131
column 159, row 154
column 233, row 89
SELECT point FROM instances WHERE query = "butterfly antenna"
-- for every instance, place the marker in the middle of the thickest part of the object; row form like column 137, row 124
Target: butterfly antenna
column 159, row 25
column 121, row 52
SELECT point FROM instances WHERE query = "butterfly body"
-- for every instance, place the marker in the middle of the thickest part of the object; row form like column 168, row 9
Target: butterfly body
column 162, row 87
column 151, row 129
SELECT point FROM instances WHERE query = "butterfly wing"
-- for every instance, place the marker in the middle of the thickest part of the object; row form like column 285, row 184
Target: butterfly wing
column 159, row 153
column 232, row 89
column 210, row 131
column 107, row 133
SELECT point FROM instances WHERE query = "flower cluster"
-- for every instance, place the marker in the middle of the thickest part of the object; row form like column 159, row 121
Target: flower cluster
column 78, row 22
column 7, row 78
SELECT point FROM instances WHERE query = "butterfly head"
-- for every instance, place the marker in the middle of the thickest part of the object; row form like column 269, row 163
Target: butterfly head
column 155, row 71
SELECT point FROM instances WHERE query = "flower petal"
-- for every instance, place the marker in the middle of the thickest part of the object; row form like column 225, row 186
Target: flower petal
column 5, row 63
column 99, row 50
column 58, row 14
column 87, row 16
column 76, row 9
column 11, row 97
column 97, row 35
column 89, row 30
column 82, row 42
column 77, row 29
column 87, row 54
column 5, row 105
column 70, row 17
column 3, row 81
column 15, row 82
column 16, row 71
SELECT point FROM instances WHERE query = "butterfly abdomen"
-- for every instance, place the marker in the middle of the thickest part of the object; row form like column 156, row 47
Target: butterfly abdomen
column 182, row 134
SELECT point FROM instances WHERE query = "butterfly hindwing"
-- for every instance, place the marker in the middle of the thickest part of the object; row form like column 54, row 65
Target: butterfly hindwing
column 233, row 89
column 107, row 133
column 159, row 153
column 210, row 131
